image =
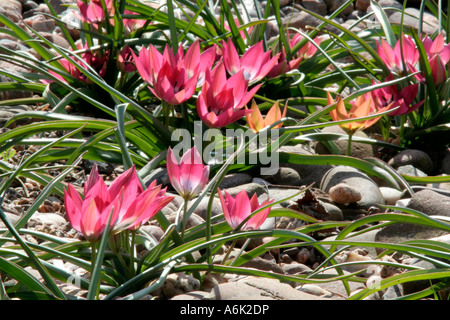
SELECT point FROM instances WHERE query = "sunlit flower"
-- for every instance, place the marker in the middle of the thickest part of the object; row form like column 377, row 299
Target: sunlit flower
column 438, row 54
column 124, row 202
column 236, row 210
column 189, row 176
column 437, row 47
column 221, row 99
column 173, row 78
column 257, row 122
column 92, row 11
column 363, row 106
column 402, row 57
column 255, row 63
column 130, row 24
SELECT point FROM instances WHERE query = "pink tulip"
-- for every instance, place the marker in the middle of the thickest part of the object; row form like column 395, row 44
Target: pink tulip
column 305, row 52
column 188, row 177
column 438, row 69
column 132, row 24
column 173, row 78
column 221, row 100
column 390, row 95
column 255, row 63
column 236, row 210
column 438, row 54
column 400, row 59
column 437, row 47
column 125, row 60
column 125, row 200
column 92, row 11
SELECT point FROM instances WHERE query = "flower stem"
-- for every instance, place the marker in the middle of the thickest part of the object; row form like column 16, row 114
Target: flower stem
column 227, row 254
column 185, row 204
column 349, row 144
column 93, row 260
column 132, row 253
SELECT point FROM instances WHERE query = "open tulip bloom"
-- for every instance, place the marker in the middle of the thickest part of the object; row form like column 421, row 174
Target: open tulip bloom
column 255, row 63
column 400, row 59
column 92, row 11
column 188, row 177
column 438, row 54
column 363, row 106
column 173, row 78
column 221, row 99
column 124, row 201
column 237, row 209
column 257, row 122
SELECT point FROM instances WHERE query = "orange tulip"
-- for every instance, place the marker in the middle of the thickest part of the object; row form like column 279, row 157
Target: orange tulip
column 256, row 122
column 361, row 107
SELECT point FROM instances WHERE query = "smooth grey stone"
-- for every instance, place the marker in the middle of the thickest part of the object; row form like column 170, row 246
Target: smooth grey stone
column 370, row 193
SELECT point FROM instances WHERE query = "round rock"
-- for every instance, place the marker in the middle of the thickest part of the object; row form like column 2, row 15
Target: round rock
column 415, row 158
column 343, row 194
column 370, row 195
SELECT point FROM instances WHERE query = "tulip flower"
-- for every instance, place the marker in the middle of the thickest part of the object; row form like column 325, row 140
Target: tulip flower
column 221, row 99
column 255, row 63
column 402, row 57
column 93, row 11
column 438, row 54
column 236, row 210
column 391, row 96
column 362, row 107
column 125, row 60
column 305, row 52
column 438, row 70
column 173, row 78
column 437, row 47
column 189, row 176
column 256, row 122
column 124, row 200
column 132, row 24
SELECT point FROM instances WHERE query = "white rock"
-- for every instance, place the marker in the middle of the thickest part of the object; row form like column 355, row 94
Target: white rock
column 390, row 195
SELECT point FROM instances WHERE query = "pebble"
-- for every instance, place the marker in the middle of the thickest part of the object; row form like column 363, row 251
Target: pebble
column 284, row 176
column 176, row 284
column 254, row 288
column 343, row 193
column 315, row 290
column 391, row 195
column 358, row 180
column 416, row 158
column 355, row 255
